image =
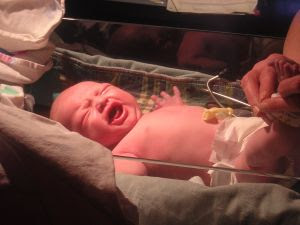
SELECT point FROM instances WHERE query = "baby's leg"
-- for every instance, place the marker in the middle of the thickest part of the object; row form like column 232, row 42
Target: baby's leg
column 266, row 151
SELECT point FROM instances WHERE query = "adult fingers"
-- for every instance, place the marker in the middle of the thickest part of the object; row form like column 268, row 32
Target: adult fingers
column 289, row 86
column 250, row 85
column 267, row 80
column 282, row 69
column 287, row 70
column 279, row 104
column 268, row 61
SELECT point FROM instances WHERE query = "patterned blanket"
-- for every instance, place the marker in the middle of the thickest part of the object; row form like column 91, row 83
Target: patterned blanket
column 140, row 79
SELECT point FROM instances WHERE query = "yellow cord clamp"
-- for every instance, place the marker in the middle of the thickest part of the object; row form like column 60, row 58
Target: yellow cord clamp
column 216, row 114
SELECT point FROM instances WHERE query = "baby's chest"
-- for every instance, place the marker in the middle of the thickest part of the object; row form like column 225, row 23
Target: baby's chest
column 163, row 138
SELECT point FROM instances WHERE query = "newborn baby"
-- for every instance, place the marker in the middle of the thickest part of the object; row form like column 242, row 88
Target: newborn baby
column 174, row 132
column 99, row 111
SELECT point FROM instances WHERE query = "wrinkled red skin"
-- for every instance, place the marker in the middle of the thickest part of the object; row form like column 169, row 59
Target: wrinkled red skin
column 86, row 108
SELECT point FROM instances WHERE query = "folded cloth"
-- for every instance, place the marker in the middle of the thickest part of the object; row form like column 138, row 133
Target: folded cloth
column 25, row 67
column 53, row 176
column 213, row 6
column 164, row 201
column 25, row 29
column 12, row 95
column 27, row 25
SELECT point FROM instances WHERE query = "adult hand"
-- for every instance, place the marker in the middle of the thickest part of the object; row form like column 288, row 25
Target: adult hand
column 288, row 99
column 288, row 76
column 262, row 81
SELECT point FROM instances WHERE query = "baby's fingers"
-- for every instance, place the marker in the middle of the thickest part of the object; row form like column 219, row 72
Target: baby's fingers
column 154, row 98
column 176, row 91
column 279, row 104
column 165, row 95
column 157, row 100
column 177, row 95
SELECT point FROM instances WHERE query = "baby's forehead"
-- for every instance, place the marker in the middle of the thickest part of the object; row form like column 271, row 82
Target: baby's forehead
column 67, row 103
column 86, row 85
column 83, row 89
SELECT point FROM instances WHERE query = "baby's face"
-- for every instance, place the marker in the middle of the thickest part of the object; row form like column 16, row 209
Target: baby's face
column 99, row 111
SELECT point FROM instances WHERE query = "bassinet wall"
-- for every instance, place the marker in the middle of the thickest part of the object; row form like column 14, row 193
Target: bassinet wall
column 140, row 79
column 157, row 199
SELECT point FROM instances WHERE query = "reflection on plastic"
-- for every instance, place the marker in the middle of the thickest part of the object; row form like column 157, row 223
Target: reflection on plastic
column 203, row 167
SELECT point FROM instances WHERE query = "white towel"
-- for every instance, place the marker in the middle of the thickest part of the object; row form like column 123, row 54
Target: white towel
column 212, row 6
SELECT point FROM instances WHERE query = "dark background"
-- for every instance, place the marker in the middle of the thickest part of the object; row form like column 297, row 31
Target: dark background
column 275, row 16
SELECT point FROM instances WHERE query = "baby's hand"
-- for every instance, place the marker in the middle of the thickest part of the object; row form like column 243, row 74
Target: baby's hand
column 167, row 100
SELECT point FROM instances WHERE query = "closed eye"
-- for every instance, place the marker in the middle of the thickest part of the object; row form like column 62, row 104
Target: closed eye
column 85, row 116
column 104, row 90
column 97, row 92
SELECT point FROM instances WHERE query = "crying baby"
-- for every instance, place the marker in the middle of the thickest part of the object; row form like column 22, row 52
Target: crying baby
column 175, row 132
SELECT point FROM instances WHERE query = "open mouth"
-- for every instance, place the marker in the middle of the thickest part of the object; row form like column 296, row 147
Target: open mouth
column 116, row 114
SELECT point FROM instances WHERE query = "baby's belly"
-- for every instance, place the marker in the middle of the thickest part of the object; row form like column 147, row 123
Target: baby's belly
column 181, row 135
column 171, row 134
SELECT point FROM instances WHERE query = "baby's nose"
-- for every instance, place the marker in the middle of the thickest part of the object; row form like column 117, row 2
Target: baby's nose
column 100, row 103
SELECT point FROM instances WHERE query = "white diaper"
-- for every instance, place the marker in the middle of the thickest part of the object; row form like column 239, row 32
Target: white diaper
column 229, row 142
column 27, row 25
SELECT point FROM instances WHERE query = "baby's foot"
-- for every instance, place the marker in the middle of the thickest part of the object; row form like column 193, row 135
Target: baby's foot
column 167, row 100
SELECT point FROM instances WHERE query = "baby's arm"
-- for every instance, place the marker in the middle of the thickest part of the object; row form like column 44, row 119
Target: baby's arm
column 167, row 100
column 129, row 166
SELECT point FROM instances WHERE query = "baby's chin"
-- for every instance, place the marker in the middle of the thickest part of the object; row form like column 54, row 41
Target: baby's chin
column 116, row 135
column 133, row 116
column 112, row 142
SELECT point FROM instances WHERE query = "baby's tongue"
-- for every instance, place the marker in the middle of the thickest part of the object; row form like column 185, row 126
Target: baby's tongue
column 115, row 113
